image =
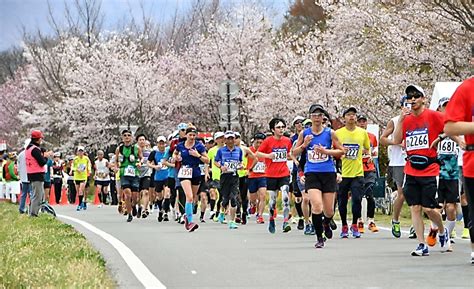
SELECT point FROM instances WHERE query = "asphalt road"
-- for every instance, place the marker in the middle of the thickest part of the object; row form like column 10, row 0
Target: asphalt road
column 250, row 257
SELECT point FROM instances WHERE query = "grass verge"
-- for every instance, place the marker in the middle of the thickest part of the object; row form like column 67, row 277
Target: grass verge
column 45, row 253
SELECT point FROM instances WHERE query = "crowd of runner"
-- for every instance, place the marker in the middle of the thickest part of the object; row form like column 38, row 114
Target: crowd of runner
column 193, row 180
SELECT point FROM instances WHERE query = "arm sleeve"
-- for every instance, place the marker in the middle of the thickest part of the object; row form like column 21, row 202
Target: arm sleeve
column 151, row 157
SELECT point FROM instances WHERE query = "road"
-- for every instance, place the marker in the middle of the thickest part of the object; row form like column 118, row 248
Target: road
column 250, row 257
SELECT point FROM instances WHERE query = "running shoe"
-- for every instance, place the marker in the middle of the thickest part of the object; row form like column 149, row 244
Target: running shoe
column 355, row 231
column 360, row 227
column 421, row 250
column 344, row 231
column 238, row 219
column 145, row 214
column 84, row 206
column 99, row 206
column 160, row 216
column 412, row 234
column 182, row 219
column 79, row 207
column 465, row 233
column 215, row 219
column 233, row 225
column 211, row 215
column 202, row 220
column 327, row 231
column 260, row 220
column 332, row 224
column 139, row 212
column 130, row 218
column 166, row 218
column 191, row 227
column 472, row 258
column 244, row 219
column 221, row 218
column 396, row 232
column 271, row 226
column 286, row 227
column 300, row 224
column 186, row 222
column 431, row 238
column 252, row 210
column 444, row 241
column 319, row 244
column 312, row 231
column 307, row 229
column 453, row 235
column 373, row 228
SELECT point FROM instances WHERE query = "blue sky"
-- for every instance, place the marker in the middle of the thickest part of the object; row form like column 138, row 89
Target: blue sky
column 33, row 14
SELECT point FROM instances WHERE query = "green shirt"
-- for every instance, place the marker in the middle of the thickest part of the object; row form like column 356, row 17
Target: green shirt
column 128, row 161
column 216, row 172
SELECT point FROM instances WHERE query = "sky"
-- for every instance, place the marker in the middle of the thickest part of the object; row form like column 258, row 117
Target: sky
column 33, row 14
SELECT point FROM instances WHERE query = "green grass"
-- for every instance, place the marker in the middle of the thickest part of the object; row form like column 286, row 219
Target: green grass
column 45, row 253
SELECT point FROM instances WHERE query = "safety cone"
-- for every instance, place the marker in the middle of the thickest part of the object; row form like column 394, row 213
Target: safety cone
column 52, row 196
column 96, row 197
column 63, row 197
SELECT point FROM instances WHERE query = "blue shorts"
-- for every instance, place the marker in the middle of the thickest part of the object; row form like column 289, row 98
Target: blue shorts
column 256, row 183
column 132, row 183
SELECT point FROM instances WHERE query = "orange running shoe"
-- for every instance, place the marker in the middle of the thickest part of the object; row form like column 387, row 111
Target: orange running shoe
column 360, row 227
column 431, row 238
column 373, row 227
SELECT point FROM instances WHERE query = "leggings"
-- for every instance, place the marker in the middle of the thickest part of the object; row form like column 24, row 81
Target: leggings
column 242, row 200
column 284, row 198
column 72, row 191
column 355, row 185
column 58, row 184
column 469, row 191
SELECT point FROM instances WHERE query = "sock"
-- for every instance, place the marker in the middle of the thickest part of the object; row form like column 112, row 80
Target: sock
column 395, row 222
column 326, row 220
column 450, row 225
column 159, row 203
column 213, row 204
column 195, row 208
column 318, row 224
column 299, row 210
column 80, row 199
column 202, row 215
column 188, row 208
column 166, row 205
column 465, row 216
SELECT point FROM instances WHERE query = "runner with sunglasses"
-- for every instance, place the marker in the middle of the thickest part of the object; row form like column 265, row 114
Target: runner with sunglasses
column 419, row 127
column 257, row 182
column 276, row 151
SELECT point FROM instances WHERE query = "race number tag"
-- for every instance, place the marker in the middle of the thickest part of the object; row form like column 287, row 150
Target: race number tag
column 185, row 173
column 447, row 147
column 417, row 139
column 231, row 166
column 280, row 155
column 316, row 157
column 259, row 168
column 129, row 171
column 352, row 151
column 101, row 174
column 203, row 171
column 81, row 168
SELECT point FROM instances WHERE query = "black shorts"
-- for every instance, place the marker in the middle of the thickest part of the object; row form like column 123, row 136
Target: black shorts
column 160, row 186
column 78, row 182
column 448, row 191
column 144, row 183
column 203, row 187
column 420, row 191
column 101, row 183
column 152, row 181
column 274, row 184
column 170, row 183
column 195, row 181
column 325, row 182
column 46, row 185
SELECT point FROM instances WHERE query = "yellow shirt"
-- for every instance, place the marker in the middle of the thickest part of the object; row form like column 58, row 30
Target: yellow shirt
column 81, row 168
column 216, row 172
column 354, row 141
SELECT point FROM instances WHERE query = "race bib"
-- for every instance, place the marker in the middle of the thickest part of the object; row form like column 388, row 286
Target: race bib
column 417, row 139
column 231, row 166
column 101, row 174
column 185, row 173
column 447, row 147
column 259, row 168
column 203, row 171
column 352, row 151
column 280, row 155
column 316, row 157
column 81, row 168
column 129, row 171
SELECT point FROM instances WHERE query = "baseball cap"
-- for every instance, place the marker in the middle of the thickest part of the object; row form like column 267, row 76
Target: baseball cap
column 412, row 87
column 126, row 131
column 182, row 126
column 161, row 138
column 36, row 134
column 307, row 121
column 350, row 108
column 218, row 134
column 229, row 134
column 315, row 107
column 296, row 119
column 259, row 135
column 57, row 154
column 443, row 101
column 80, row 148
column 361, row 116
column 237, row 134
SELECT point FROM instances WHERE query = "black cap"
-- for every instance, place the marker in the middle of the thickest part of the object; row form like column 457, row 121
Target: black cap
column 313, row 108
column 350, row 108
column 191, row 129
column 259, row 135
column 361, row 116
column 126, row 131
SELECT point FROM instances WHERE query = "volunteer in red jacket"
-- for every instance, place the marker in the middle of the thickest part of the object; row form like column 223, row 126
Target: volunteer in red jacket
column 419, row 127
column 35, row 162
column 459, row 120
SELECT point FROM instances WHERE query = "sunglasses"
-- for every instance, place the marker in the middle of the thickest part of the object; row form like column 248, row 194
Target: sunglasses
column 127, row 134
column 280, row 127
column 414, row 95
column 183, row 129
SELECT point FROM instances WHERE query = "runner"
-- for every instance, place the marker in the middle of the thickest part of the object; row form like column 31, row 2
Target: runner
column 276, row 150
column 144, row 176
column 190, row 153
column 48, row 174
column 257, row 182
column 298, row 125
column 58, row 170
column 203, row 188
column 229, row 159
column 370, row 176
column 128, row 158
column 419, row 127
column 356, row 142
column 215, row 176
column 320, row 172
column 459, row 121
column 81, row 167
column 11, row 177
column 242, row 199
column 102, row 177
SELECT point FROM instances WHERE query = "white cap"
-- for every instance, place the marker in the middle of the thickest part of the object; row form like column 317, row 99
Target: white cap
column 57, row 154
column 416, row 87
column 81, row 148
column 297, row 118
column 161, row 138
column 443, row 101
column 218, row 134
column 229, row 133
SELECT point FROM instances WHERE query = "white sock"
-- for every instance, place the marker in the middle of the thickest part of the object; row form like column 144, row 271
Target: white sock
column 450, row 225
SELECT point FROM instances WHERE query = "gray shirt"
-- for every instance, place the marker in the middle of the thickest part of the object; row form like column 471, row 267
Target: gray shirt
column 22, row 167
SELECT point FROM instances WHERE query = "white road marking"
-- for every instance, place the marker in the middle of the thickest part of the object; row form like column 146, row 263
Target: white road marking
column 134, row 263
column 193, row 272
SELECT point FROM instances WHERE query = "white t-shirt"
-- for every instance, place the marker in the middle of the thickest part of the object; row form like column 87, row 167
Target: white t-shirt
column 102, row 171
